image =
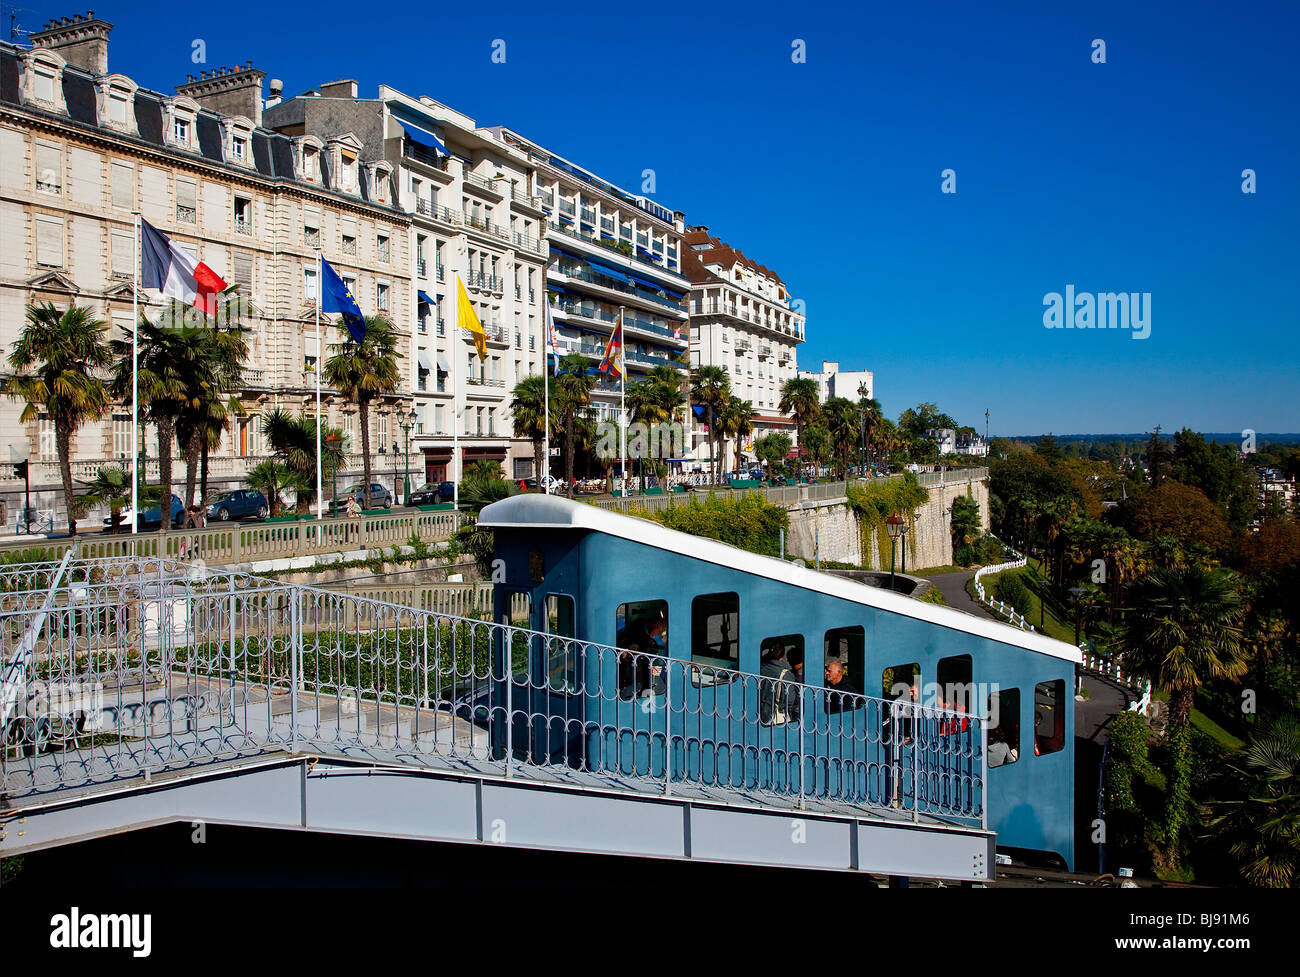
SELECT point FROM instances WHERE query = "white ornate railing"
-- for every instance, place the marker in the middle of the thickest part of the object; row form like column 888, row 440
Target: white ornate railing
column 1012, row 615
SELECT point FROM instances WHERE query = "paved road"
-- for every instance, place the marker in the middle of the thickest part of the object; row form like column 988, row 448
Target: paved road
column 1091, row 716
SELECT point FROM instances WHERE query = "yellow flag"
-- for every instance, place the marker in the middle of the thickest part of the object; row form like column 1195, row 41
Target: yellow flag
column 466, row 318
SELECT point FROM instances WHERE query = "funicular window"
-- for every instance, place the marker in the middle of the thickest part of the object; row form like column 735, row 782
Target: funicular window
column 781, row 678
column 715, row 637
column 844, row 668
column 901, row 685
column 517, row 613
column 953, row 676
column 1049, row 717
column 561, row 656
column 641, row 632
column 1004, row 727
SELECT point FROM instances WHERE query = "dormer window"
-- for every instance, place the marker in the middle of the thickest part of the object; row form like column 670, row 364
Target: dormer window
column 239, row 148
column 43, row 84
column 116, row 107
column 181, row 131
column 310, row 164
column 348, row 174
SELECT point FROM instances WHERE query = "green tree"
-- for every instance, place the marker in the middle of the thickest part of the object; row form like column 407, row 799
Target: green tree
column 111, row 486
column 711, row 389
column 964, row 523
column 817, row 443
column 1256, row 813
column 736, row 420
column 271, row 477
column 843, row 424
column 573, row 388
column 801, row 399
column 292, row 440
column 363, row 372
column 773, row 448
column 216, row 372
column 56, row 359
column 164, row 381
column 528, row 412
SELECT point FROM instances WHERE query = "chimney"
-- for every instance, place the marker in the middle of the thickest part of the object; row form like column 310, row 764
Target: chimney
column 277, row 93
column 82, row 41
column 347, row 88
column 228, row 91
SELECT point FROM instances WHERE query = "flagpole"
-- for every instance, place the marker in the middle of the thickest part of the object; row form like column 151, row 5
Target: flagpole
column 622, row 400
column 546, row 410
column 320, row 361
column 135, row 379
column 455, row 402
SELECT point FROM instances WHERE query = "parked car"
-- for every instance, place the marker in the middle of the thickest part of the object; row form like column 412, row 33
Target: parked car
column 238, row 504
column 152, row 516
column 380, row 497
column 432, row 493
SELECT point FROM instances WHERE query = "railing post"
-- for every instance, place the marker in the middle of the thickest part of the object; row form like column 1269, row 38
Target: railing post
column 295, row 649
column 510, row 701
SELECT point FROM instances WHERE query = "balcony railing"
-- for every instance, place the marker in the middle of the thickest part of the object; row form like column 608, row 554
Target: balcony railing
column 311, row 237
column 474, row 180
column 442, row 272
column 586, row 275
column 589, row 310
column 478, row 279
column 567, row 207
column 185, row 215
column 527, row 242
column 529, row 200
column 424, row 154
column 243, row 226
column 622, row 247
column 442, row 326
column 421, row 267
column 765, row 352
column 743, row 344
column 350, row 245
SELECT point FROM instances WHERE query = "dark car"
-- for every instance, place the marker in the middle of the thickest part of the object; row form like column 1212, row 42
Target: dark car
column 432, row 493
column 238, row 504
column 153, row 516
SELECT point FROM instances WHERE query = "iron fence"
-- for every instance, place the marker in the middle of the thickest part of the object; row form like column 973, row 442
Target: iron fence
column 144, row 666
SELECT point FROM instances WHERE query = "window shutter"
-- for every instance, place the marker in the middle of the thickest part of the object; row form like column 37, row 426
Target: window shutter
column 186, row 192
column 123, row 176
column 49, row 242
column 123, row 252
column 49, row 166
column 243, row 271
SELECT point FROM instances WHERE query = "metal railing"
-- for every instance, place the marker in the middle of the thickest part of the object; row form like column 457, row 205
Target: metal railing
column 149, row 666
column 1013, row 616
column 257, row 541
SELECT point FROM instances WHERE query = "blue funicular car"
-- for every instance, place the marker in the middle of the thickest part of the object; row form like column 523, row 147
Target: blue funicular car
column 937, row 713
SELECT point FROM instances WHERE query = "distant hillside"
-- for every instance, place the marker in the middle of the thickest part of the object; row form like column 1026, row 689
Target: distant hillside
column 1232, row 437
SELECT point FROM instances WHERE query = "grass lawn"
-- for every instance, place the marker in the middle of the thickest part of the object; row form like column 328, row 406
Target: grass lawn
column 1220, row 735
column 1053, row 626
column 929, row 572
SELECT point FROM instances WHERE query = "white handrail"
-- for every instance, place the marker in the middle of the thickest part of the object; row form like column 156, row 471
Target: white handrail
column 1013, row 616
column 15, row 673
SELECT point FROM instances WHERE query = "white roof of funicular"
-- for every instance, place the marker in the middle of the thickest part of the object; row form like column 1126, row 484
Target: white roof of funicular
column 537, row 511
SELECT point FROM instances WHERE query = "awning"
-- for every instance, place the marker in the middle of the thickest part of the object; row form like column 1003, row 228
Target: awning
column 442, row 364
column 612, row 272
column 649, row 255
column 568, row 254
column 423, row 138
column 425, row 366
column 424, row 298
column 647, row 282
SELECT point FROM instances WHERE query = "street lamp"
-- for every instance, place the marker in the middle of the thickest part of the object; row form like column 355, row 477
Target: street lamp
column 334, row 440
column 1043, row 584
column 895, row 526
column 903, row 536
column 407, row 422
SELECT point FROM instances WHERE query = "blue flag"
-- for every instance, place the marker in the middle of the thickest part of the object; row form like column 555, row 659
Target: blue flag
column 336, row 297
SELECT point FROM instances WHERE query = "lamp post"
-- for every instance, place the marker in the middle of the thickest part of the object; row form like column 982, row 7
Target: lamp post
column 407, row 421
column 903, row 536
column 895, row 526
column 334, row 440
column 1043, row 584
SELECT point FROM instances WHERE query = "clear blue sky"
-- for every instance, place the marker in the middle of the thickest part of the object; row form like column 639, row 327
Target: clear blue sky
column 1117, row 176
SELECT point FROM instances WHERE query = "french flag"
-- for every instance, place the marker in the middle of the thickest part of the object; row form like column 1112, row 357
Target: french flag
column 175, row 272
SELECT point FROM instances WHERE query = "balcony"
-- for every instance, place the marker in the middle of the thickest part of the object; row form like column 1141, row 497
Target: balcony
column 424, row 154
column 743, row 344
column 527, row 242
column 528, row 200
column 484, row 281
column 311, row 237
column 484, row 381
column 350, row 245
column 590, row 310
column 765, row 352
column 442, row 272
column 186, row 215
column 584, row 274
column 421, row 267
column 442, row 326
column 243, row 226
column 567, row 207
column 482, row 183
column 622, row 247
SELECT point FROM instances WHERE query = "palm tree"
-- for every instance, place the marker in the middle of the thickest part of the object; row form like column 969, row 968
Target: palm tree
column 1183, row 628
column 843, row 424
column 817, row 441
column 364, row 371
column 528, row 413
column 871, row 419
column 1258, row 814
column 270, row 477
column 292, row 440
column 111, row 486
column 670, row 383
column 711, row 389
column 62, row 349
column 164, row 382
column 736, row 420
column 801, row 398
column 573, row 387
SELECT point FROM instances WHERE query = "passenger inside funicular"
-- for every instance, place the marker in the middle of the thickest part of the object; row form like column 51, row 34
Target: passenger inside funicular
column 642, row 633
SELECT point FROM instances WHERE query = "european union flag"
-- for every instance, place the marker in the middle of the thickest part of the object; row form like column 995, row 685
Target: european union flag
column 336, row 297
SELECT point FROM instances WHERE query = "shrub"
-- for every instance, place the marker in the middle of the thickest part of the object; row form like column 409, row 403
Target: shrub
column 750, row 522
column 1010, row 589
column 964, row 556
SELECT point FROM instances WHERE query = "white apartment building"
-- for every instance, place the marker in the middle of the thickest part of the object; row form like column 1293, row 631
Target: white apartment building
column 834, row 382
column 82, row 148
column 476, row 215
column 742, row 320
column 609, row 249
